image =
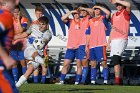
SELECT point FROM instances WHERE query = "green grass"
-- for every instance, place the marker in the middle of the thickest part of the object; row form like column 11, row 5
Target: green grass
column 52, row 88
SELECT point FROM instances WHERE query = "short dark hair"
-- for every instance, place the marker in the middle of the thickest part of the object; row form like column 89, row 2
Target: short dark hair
column 39, row 8
column 75, row 8
column 103, row 5
column 84, row 5
column 44, row 20
column 17, row 7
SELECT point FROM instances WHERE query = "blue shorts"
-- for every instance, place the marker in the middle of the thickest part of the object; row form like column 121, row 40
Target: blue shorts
column 71, row 54
column 82, row 53
column 17, row 55
column 98, row 54
column 6, row 82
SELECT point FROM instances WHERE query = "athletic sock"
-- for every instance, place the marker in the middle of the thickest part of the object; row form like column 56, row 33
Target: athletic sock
column 93, row 74
column 15, row 73
column 117, row 80
column 21, row 81
column 43, row 79
column 35, row 79
column 84, row 74
column 105, row 73
column 62, row 78
column 78, row 77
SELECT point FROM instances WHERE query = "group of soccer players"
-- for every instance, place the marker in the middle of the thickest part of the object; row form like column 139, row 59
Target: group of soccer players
column 21, row 45
column 86, row 42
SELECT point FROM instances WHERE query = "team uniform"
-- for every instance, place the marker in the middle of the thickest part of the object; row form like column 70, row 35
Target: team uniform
column 17, row 51
column 35, row 34
column 72, row 44
column 120, row 30
column 97, row 44
column 119, row 37
column 82, row 37
column 82, row 43
column 6, row 35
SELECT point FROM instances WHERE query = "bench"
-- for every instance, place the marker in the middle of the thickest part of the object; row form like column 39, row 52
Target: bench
column 130, row 58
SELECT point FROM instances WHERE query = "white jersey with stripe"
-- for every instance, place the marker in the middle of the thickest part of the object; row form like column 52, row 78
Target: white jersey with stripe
column 37, row 34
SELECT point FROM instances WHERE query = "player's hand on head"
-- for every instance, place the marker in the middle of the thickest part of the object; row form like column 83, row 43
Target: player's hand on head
column 74, row 11
column 113, row 1
column 81, row 8
column 96, row 7
column 8, row 62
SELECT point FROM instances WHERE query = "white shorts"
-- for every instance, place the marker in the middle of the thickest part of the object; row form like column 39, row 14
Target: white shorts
column 34, row 64
column 28, row 52
column 118, row 46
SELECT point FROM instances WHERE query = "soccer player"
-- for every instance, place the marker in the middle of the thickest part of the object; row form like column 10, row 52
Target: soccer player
column 17, row 52
column 6, row 35
column 119, row 35
column 36, row 33
column 83, row 56
column 39, row 11
column 96, row 41
column 72, row 45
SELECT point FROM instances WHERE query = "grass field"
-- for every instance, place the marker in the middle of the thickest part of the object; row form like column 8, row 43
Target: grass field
column 52, row 88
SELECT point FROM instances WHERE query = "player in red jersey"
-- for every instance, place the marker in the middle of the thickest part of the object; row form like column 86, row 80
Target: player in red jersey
column 83, row 56
column 119, row 35
column 17, row 52
column 6, row 34
column 72, row 45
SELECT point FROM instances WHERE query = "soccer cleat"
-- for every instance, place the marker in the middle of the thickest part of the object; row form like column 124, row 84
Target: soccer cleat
column 46, row 60
column 105, row 82
column 76, row 83
column 60, row 83
column 93, row 82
